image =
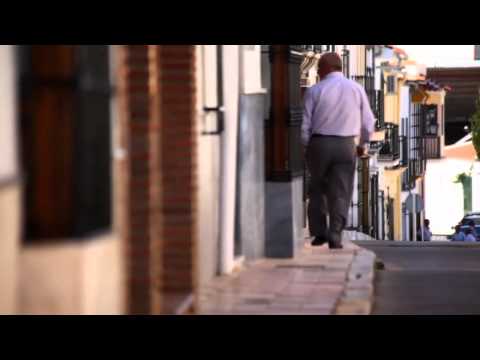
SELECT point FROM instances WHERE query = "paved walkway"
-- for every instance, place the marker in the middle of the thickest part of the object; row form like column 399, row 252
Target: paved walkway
column 318, row 281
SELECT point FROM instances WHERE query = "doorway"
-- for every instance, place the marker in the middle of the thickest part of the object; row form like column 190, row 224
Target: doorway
column 64, row 107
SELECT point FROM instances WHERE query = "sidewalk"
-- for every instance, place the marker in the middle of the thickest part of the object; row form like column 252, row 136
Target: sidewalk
column 318, row 281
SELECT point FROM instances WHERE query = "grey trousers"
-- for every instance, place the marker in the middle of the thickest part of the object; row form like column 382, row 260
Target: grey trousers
column 331, row 162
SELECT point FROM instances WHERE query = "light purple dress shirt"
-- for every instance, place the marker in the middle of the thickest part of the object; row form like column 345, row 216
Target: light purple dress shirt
column 337, row 106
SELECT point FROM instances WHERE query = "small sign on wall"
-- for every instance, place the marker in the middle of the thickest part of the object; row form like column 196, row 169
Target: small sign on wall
column 476, row 52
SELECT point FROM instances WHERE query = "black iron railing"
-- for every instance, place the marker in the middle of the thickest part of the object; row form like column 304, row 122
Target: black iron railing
column 403, row 150
column 416, row 148
column 374, row 208
column 430, row 121
column 382, row 217
column 346, row 62
column 391, row 146
column 375, row 97
column 379, row 109
column 432, row 147
column 390, row 218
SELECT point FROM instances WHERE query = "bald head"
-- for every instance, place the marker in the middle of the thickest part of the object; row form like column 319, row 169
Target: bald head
column 329, row 62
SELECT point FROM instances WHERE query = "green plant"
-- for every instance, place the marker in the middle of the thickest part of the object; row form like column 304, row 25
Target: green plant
column 475, row 124
column 466, row 181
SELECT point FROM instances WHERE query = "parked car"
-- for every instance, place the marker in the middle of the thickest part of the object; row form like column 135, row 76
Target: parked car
column 464, row 224
column 463, row 228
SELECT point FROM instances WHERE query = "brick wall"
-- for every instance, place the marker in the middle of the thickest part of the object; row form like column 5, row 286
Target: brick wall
column 176, row 110
column 135, row 125
column 157, row 92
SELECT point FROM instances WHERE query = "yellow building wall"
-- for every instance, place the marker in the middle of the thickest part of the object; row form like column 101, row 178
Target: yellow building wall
column 392, row 109
column 393, row 187
column 10, row 225
column 392, row 103
column 359, row 60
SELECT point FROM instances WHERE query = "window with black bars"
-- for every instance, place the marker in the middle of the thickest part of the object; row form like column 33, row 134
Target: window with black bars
column 368, row 83
column 391, row 84
column 316, row 48
column 390, row 218
column 379, row 110
column 431, row 120
column 417, row 159
column 431, row 130
column 346, row 62
column 405, row 152
column 381, row 232
column 374, row 209
column 370, row 75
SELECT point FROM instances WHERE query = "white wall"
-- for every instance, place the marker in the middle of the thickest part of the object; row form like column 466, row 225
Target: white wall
column 209, row 166
column 476, row 186
column 217, row 155
column 251, row 69
column 8, row 131
column 404, row 103
column 443, row 197
column 231, row 57
column 10, row 192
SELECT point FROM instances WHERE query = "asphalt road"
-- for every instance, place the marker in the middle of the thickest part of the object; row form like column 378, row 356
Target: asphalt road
column 437, row 278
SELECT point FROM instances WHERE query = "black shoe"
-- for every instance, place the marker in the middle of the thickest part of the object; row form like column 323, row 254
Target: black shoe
column 319, row 241
column 335, row 240
column 334, row 246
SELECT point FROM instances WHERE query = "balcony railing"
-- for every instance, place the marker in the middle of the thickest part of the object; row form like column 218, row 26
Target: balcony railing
column 379, row 109
column 346, row 62
column 432, row 147
column 403, row 150
column 390, row 150
column 416, row 168
column 375, row 97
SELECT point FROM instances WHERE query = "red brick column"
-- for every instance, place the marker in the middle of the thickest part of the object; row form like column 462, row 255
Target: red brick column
column 176, row 111
column 157, row 94
column 135, row 123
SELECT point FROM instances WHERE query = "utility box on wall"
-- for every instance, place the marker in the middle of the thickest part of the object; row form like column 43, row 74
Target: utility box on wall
column 476, row 52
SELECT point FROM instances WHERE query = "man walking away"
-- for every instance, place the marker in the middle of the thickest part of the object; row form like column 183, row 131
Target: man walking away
column 336, row 111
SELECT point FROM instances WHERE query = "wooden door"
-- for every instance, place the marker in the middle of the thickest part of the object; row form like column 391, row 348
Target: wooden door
column 47, row 109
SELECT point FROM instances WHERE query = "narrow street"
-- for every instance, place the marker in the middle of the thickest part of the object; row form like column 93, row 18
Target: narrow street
column 426, row 278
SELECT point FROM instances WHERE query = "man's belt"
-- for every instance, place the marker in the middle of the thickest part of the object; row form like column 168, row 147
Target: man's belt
column 338, row 136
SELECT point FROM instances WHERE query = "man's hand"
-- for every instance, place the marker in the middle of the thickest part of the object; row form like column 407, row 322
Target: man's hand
column 360, row 150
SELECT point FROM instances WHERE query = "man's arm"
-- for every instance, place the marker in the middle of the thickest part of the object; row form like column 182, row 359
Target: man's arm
column 367, row 123
column 307, row 117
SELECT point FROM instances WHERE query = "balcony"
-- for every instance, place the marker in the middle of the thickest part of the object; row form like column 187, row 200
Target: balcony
column 416, row 169
column 403, row 150
column 375, row 97
column 432, row 147
column 379, row 110
column 390, row 150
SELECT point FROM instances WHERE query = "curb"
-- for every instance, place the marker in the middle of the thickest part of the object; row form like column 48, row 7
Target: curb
column 357, row 296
